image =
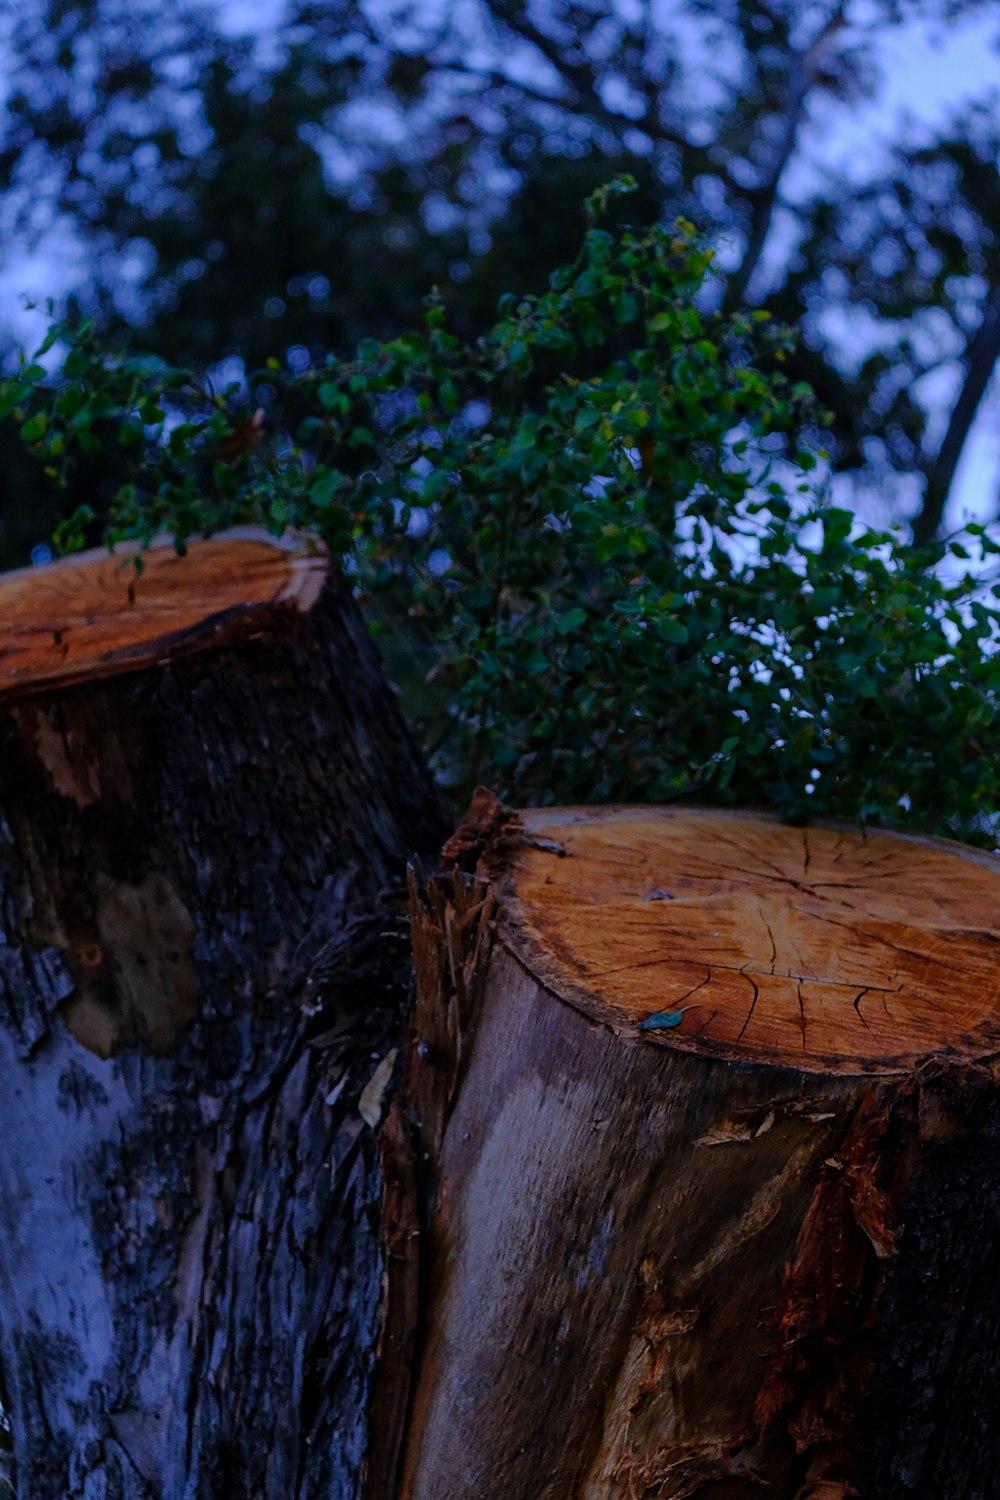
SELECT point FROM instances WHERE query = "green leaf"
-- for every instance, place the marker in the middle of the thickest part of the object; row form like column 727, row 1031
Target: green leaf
column 662, row 1020
column 325, row 486
column 672, row 629
column 626, row 308
column 449, row 396
column 332, row 398
column 572, row 620
column 48, row 341
column 12, row 393
column 587, row 419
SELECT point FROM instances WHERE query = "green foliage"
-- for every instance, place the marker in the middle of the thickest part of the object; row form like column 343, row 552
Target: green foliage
column 591, row 543
column 291, row 196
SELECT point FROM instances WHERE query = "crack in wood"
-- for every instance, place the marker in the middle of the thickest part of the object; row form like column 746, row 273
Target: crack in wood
column 868, row 937
column 753, row 1003
column 800, row 918
column 755, row 855
column 694, row 990
column 717, row 965
column 858, row 884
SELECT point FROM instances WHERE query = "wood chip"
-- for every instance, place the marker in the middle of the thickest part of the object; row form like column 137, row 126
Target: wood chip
column 370, row 1103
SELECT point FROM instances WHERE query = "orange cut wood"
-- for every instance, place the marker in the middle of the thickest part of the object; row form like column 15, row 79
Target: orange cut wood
column 94, row 615
column 820, row 948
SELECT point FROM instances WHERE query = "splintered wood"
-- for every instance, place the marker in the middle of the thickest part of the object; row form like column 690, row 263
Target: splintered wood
column 95, row 615
column 730, row 933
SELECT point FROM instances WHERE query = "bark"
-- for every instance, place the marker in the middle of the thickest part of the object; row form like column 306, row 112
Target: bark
column 711, row 1106
column 691, row 1184
column 203, row 974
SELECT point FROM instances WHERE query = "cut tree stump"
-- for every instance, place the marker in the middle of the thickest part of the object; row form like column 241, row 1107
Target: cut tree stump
column 96, row 614
column 710, row 1105
column 207, row 802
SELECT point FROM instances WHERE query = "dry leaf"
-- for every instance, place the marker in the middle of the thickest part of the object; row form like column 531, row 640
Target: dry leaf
column 370, row 1103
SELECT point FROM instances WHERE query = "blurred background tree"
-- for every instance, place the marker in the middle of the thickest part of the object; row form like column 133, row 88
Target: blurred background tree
column 235, row 196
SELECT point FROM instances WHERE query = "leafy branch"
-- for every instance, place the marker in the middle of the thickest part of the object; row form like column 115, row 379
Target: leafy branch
column 594, row 545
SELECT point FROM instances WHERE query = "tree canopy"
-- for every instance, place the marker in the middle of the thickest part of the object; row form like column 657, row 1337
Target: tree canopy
column 303, row 190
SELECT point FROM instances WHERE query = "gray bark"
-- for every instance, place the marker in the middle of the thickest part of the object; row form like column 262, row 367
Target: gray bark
column 202, row 964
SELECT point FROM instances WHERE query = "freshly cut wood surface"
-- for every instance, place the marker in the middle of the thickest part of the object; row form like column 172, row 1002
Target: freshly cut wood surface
column 818, row 948
column 94, row 615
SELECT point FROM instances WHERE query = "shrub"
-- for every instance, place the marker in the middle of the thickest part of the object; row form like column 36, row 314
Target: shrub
column 595, row 546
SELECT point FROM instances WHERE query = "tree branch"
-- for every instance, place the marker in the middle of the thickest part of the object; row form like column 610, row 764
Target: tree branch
column 577, row 77
column 494, row 78
column 803, row 73
column 578, row 80
column 981, row 354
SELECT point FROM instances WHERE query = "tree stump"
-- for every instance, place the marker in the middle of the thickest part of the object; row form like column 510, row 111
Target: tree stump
column 713, row 1105
column 207, row 801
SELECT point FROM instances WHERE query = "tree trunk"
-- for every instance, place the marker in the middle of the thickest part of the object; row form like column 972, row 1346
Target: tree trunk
column 207, row 800
column 693, row 1184
column 716, row 1207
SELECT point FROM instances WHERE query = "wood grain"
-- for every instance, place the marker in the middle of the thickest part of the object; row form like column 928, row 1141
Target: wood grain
column 820, row 948
column 93, row 615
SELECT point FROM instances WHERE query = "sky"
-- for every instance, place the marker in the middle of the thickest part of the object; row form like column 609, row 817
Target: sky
column 928, row 71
